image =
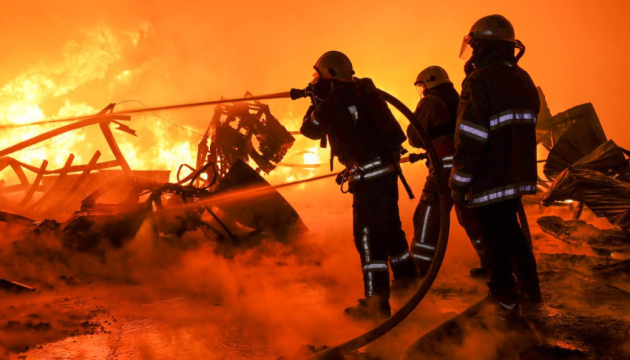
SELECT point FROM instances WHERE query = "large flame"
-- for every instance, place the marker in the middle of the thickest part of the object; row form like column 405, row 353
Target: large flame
column 99, row 57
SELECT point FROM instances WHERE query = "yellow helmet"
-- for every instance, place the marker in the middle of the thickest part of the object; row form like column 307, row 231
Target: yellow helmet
column 492, row 27
column 432, row 77
column 334, row 65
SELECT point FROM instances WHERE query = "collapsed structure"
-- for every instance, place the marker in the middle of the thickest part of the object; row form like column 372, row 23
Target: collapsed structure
column 119, row 199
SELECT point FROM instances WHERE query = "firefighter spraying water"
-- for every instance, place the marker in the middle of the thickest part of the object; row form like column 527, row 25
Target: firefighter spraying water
column 375, row 167
column 349, row 113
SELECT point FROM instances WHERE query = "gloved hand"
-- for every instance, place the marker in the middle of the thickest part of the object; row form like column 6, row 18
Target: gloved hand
column 308, row 114
column 395, row 156
column 311, row 96
column 459, row 197
column 314, row 91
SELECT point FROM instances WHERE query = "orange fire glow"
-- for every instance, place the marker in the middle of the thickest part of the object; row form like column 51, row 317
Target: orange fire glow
column 162, row 53
column 66, row 58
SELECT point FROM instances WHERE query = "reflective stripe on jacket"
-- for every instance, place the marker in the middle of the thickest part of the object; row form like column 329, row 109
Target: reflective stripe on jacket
column 495, row 135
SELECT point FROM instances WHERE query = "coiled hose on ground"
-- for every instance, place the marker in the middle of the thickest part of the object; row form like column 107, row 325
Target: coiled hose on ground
column 338, row 351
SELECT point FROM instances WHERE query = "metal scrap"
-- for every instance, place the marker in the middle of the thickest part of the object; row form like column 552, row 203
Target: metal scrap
column 231, row 133
column 65, row 187
column 600, row 180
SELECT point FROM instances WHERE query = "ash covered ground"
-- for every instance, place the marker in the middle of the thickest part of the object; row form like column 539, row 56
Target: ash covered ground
column 158, row 300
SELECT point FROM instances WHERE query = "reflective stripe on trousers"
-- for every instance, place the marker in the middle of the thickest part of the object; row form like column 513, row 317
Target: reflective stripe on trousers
column 447, row 162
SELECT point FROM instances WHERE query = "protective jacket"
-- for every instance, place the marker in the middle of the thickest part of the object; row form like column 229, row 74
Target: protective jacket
column 437, row 112
column 495, row 136
column 358, row 123
column 366, row 138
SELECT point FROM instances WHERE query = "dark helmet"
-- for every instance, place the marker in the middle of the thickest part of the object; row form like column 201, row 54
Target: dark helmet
column 492, row 27
column 334, row 65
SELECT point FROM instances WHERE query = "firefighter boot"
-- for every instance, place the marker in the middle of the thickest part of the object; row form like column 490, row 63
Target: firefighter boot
column 404, row 286
column 507, row 310
column 480, row 272
column 405, row 275
column 516, row 331
column 527, row 281
column 370, row 308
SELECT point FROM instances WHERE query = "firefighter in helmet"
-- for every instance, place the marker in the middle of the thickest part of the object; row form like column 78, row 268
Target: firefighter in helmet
column 437, row 112
column 495, row 159
column 352, row 116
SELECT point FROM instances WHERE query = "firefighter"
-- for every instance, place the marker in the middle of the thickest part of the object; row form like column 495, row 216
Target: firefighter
column 495, row 159
column 365, row 137
column 437, row 112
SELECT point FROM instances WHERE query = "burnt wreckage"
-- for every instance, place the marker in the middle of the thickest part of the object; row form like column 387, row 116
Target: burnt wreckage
column 583, row 165
column 222, row 195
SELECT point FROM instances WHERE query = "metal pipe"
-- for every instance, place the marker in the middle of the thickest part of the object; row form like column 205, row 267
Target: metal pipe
column 281, row 95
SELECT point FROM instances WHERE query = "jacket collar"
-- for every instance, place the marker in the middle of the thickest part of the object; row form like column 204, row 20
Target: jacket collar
column 496, row 58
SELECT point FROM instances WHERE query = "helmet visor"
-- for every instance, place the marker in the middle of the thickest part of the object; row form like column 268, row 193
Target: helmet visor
column 315, row 78
column 466, row 51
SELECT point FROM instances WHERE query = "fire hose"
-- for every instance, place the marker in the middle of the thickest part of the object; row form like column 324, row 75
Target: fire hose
column 380, row 330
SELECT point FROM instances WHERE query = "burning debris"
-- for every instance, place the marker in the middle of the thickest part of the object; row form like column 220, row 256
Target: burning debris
column 62, row 188
column 138, row 195
column 233, row 132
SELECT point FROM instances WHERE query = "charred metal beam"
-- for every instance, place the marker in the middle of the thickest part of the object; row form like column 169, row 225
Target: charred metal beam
column 98, row 119
column 20, row 174
column 20, row 187
column 38, row 179
column 51, row 192
column 72, row 169
column 80, row 181
column 111, row 141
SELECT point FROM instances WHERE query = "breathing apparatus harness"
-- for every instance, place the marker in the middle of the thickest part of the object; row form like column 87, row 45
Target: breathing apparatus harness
column 379, row 166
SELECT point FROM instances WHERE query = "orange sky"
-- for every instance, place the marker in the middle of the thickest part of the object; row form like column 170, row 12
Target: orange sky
column 163, row 52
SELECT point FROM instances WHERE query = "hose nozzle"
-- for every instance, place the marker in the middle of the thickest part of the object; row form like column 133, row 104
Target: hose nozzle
column 298, row 94
column 417, row 157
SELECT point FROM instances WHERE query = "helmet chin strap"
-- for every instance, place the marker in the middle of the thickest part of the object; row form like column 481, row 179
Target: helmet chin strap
column 521, row 50
column 469, row 67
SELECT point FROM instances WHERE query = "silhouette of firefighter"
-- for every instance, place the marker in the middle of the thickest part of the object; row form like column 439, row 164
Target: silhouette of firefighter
column 351, row 115
column 495, row 159
column 437, row 113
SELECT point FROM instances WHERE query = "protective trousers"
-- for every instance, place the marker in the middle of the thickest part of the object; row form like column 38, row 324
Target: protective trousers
column 508, row 251
column 426, row 223
column 378, row 234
